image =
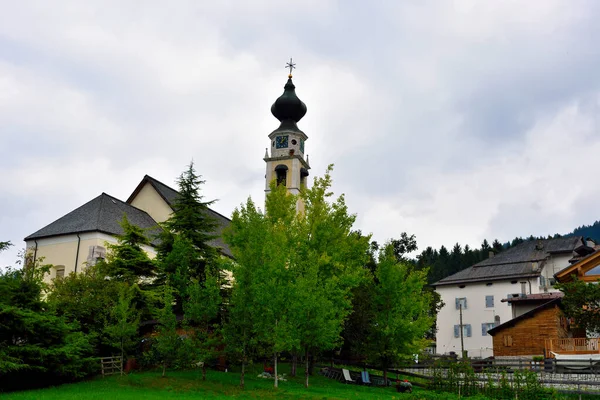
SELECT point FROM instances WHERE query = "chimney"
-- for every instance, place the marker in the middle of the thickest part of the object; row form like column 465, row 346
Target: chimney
column 491, row 254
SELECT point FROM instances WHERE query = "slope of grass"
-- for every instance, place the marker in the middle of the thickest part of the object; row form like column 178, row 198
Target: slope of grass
column 188, row 384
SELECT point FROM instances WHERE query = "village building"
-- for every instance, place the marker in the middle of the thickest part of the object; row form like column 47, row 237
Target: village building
column 525, row 270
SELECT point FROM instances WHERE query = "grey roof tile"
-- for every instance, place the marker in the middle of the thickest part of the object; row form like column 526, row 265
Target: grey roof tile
column 515, row 262
column 102, row 214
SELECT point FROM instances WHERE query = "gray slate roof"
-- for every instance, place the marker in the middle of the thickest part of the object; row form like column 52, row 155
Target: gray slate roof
column 170, row 195
column 102, row 214
column 515, row 262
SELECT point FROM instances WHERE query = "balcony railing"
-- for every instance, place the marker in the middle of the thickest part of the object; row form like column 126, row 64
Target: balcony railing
column 573, row 346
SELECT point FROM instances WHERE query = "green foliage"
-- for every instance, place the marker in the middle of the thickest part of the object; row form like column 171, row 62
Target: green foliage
column 294, row 272
column 400, row 310
column 127, row 261
column 36, row 345
column 86, row 299
column 121, row 331
column 168, row 343
column 582, row 303
column 191, row 221
column 202, row 307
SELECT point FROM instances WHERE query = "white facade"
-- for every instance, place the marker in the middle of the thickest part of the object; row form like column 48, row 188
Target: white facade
column 484, row 306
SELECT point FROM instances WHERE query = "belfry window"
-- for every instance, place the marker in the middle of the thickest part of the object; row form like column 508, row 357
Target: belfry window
column 281, row 172
column 303, row 175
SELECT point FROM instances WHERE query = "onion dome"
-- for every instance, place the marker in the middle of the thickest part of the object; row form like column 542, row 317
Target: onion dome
column 288, row 107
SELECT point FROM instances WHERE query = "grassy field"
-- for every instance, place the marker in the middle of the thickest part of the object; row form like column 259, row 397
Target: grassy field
column 188, row 385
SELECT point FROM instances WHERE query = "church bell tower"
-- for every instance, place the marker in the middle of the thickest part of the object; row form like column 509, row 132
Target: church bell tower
column 287, row 163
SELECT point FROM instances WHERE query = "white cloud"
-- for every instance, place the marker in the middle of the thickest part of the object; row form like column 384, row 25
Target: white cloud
column 454, row 121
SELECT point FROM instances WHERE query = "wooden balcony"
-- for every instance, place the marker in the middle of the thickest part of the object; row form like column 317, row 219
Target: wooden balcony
column 573, row 346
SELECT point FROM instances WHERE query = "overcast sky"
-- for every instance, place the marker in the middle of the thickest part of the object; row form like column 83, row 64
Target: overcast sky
column 453, row 120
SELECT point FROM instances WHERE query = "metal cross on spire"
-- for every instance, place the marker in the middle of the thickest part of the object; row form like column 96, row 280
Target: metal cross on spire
column 291, row 65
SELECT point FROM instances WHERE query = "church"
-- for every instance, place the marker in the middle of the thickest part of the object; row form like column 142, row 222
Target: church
column 79, row 238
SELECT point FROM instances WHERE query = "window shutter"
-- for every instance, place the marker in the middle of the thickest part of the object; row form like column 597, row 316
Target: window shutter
column 484, row 329
column 456, row 331
column 456, row 299
column 465, row 304
column 468, row 330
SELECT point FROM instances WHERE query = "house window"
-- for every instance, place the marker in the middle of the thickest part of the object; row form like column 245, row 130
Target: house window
column 60, row 271
column 485, row 327
column 466, row 330
column 508, row 340
column 96, row 253
column 489, row 301
column 461, row 301
column 496, row 320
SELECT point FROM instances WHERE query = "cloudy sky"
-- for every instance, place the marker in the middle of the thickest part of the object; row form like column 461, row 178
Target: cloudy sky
column 453, row 120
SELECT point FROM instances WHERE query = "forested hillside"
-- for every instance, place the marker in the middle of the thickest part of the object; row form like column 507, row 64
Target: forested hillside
column 588, row 231
column 444, row 262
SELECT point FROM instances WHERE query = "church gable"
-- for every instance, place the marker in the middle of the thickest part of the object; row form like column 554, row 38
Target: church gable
column 147, row 196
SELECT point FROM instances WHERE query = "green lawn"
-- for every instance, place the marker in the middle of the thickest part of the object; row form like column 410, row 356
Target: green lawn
column 188, row 385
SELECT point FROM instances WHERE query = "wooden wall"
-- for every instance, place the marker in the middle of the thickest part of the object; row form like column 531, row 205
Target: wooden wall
column 527, row 337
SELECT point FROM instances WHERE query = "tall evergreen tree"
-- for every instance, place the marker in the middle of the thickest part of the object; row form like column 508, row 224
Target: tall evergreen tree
column 190, row 220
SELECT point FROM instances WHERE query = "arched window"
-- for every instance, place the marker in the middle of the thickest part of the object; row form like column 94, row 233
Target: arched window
column 281, row 171
column 303, row 175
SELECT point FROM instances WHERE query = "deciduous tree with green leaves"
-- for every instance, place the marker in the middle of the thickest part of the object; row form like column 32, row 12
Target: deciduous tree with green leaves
column 400, row 311
column 168, row 343
column 582, row 303
column 201, row 308
column 121, row 331
column 296, row 270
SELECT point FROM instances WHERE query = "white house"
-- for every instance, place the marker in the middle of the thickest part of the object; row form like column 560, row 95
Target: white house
column 524, row 270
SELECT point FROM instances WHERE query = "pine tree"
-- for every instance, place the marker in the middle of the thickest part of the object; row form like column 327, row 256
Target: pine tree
column 190, row 220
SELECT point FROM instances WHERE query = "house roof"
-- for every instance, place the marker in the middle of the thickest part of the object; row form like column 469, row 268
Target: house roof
column 580, row 267
column 169, row 195
column 528, row 314
column 534, row 298
column 523, row 260
column 102, row 214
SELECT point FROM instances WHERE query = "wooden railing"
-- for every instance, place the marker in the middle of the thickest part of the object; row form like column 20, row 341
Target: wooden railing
column 573, row 346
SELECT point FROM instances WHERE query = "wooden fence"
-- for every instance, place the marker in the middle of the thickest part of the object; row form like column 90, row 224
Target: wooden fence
column 111, row 365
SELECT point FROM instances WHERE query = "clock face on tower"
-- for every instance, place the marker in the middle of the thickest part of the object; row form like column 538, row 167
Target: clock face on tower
column 281, row 142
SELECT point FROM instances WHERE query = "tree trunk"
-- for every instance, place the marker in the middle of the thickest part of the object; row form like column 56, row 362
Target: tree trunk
column 306, row 367
column 243, row 372
column 294, row 362
column 164, row 368
column 275, row 369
